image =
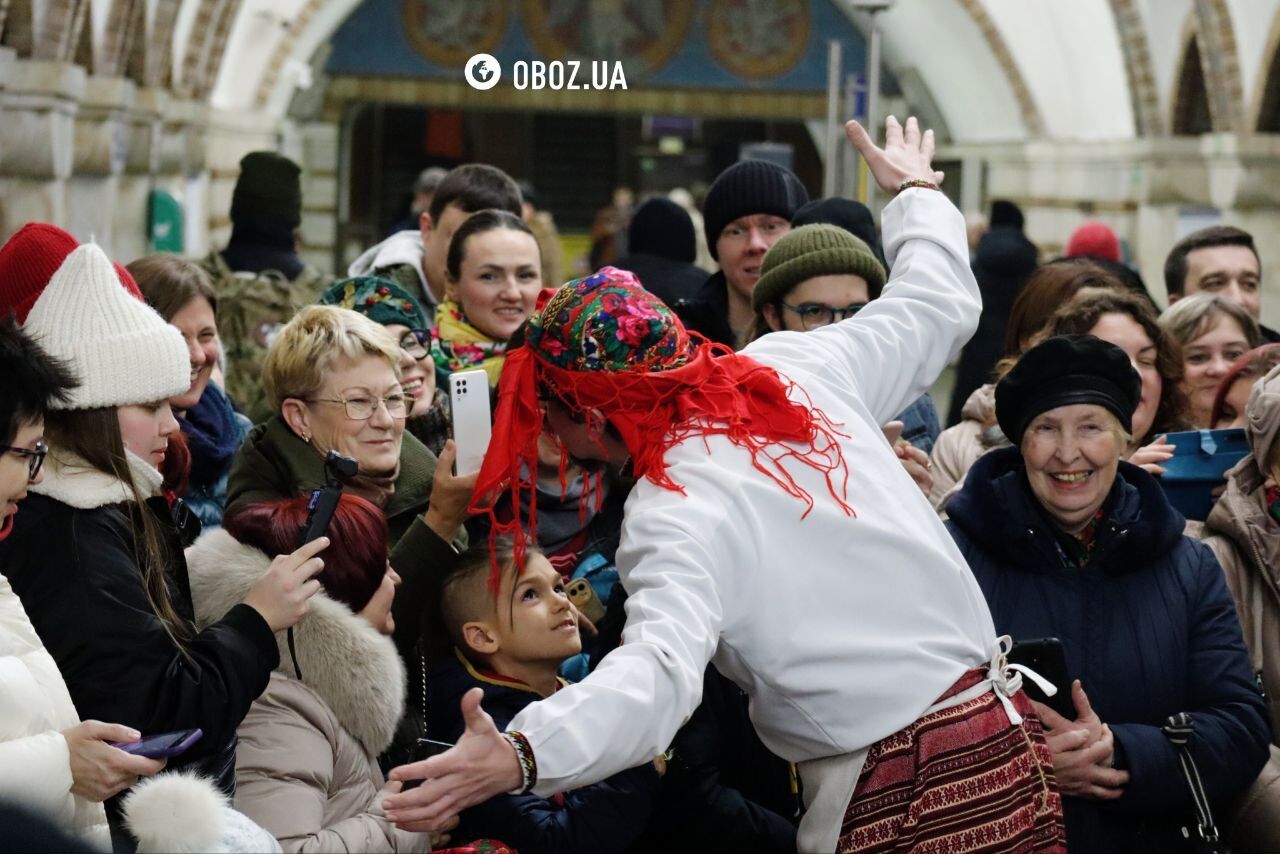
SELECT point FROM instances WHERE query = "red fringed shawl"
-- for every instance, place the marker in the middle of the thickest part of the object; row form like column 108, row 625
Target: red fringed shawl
column 716, row 393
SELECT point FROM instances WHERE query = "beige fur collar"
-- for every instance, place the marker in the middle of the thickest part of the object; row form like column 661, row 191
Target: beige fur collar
column 355, row 670
column 71, row 480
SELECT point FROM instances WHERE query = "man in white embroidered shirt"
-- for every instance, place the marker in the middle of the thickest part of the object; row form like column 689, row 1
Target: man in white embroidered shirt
column 751, row 467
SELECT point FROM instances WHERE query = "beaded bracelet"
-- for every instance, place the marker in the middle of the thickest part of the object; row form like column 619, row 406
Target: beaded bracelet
column 918, row 182
column 528, row 765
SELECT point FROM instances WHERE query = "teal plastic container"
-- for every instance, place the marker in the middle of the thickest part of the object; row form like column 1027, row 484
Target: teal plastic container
column 1201, row 458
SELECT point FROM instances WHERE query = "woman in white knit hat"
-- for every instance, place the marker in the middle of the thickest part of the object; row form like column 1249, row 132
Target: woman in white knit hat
column 96, row 556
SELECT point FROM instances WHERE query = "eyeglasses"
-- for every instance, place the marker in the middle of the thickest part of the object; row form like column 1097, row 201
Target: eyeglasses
column 815, row 315
column 362, row 408
column 35, row 457
column 417, row 343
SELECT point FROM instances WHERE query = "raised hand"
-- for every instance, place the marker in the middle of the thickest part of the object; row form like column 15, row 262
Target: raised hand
column 1150, row 457
column 450, row 495
column 482, row 764
column 907, row 154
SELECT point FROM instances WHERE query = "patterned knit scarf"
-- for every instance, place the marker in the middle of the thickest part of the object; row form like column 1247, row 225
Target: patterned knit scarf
column 457, row 345
column 613, row 353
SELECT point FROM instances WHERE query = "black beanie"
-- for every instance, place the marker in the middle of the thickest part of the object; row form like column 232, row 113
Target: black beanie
column 268, row 187
column 1062, row 371
column 663, row 228
column 750, row 187
column 1006, row 213
column 853, row 217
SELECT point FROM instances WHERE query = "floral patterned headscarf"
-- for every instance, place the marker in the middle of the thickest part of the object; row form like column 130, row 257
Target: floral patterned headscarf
column 613, row 352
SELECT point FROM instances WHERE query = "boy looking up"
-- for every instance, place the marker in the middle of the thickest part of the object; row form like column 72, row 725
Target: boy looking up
column 511, row 646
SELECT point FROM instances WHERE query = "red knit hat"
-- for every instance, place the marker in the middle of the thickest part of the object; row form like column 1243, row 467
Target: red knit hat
column 1096, row 240
column 28, row 261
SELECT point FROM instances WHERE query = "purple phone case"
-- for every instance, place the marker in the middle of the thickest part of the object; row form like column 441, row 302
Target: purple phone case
column 146, row 746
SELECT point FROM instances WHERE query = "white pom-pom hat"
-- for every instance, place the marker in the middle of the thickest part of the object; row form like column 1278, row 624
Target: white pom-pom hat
column 123, row 352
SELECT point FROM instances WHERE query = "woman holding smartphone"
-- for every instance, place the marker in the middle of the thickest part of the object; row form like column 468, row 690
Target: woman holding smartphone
column 96, row 557
column 1069, row 541
column 306, row 765
column 333, row 376
column 49, row 760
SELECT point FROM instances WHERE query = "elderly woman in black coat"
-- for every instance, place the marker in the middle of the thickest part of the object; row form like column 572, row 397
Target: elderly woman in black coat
column 1068, row 541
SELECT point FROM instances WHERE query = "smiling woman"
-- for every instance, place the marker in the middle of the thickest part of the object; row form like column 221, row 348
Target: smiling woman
column 494, row 276
column 1068, row 541
column 182, row 293
column 399, row 312
column 1213, row 332
column 333, row 377
column 97, row 556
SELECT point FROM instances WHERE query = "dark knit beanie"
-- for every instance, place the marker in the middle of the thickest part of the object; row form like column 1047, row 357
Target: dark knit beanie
column 1062, row 371
column 853, row 217
column 750, row 187
column 382, row 301
column 268, row 186
column 663, row 228
column 814, row 250
column 1006, row 213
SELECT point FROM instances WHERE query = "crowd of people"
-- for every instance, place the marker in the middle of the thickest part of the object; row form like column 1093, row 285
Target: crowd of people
column 723, row 581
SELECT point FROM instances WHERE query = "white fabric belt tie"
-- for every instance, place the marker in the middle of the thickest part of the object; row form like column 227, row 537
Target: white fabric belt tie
column 829, row 783
column 1003, row 679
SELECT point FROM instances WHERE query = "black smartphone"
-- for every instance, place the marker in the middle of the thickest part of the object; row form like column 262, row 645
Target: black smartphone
column 324, row 501
column 424, row 749
column 1047, row 657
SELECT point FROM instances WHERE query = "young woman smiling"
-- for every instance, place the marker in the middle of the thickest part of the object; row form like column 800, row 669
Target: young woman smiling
column 494, row 276
column 1213, row 332
column 181, row 292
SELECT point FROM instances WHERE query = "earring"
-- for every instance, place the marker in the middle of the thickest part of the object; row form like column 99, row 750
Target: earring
column 306, row 437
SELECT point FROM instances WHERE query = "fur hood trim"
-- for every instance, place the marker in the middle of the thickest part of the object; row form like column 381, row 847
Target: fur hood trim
column 71, row 480
column 185, row 813
column 356, row 671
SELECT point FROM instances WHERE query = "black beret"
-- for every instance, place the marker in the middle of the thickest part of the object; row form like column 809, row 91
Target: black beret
column 1066, row 370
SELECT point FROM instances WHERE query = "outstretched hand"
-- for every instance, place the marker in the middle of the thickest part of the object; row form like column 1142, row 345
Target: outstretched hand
column 907, row 154
column 482, row 764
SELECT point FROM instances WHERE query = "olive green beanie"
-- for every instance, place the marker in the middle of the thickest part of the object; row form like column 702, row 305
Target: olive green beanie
column 810, row 251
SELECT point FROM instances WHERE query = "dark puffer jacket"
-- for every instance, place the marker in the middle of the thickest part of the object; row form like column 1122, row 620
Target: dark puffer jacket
column 1149, row 629
column 603, row 817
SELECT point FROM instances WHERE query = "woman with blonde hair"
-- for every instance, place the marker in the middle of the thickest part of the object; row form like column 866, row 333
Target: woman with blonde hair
column 332, row 376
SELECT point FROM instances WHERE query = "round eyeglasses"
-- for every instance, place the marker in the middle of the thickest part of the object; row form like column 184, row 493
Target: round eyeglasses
column 815, row 315
column 417, row 343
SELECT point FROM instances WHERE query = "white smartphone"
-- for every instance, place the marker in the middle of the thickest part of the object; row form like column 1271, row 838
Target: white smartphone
column 472, row 426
